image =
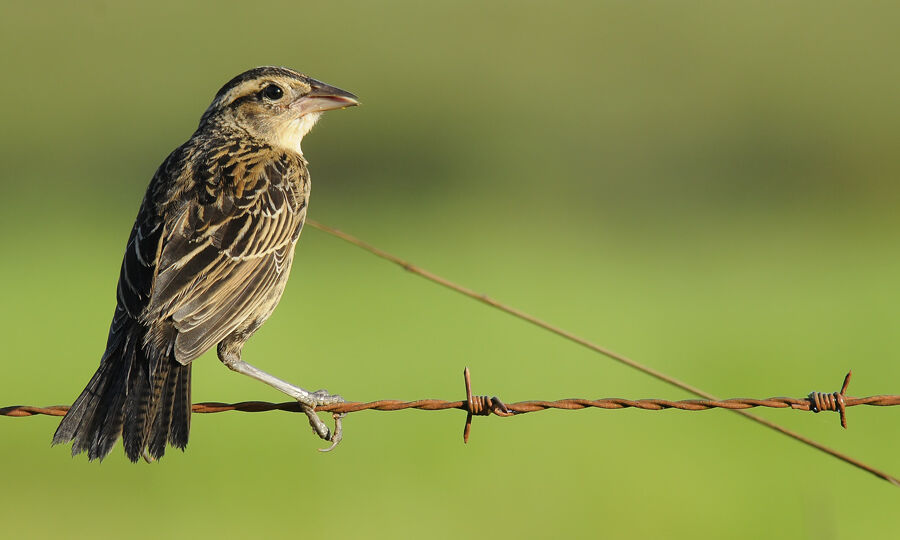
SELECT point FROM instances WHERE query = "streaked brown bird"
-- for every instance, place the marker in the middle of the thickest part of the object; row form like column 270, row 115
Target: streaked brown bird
column 206, row 264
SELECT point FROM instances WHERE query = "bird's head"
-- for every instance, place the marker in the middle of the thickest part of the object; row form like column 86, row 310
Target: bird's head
column 274, row 104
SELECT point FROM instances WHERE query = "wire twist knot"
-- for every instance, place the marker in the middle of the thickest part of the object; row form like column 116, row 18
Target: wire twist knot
column 480, row 406
column 835, row 401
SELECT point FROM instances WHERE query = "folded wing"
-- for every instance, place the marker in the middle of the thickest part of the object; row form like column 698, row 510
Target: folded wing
column 224, row 257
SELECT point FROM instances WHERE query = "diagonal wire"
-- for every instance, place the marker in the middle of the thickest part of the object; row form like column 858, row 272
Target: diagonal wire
column 406, row 265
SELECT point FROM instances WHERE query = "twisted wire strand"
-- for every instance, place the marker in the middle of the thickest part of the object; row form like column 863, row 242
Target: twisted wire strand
column 484, row 407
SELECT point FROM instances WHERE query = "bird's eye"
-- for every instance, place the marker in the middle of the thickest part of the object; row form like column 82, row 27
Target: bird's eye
column 272, row 92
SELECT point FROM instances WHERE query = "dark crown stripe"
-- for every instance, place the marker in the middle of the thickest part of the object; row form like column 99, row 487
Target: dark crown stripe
column 255, row 73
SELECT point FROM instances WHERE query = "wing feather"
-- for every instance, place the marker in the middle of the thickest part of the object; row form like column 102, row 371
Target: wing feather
column 199, row 330
column 224, row 258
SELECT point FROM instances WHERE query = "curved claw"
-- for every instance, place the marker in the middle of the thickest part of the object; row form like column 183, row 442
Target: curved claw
column 309, row 404
column 322, row 430
column 316, row 423
column 338, row 432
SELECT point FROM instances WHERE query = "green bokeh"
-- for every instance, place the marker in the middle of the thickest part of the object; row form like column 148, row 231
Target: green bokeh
column 710, row 188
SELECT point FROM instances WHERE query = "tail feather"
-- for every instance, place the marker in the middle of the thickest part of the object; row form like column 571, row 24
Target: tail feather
column 181, row 413
column 74, row 426
column 103, row 431
column 164, row 395
column 145, row 402
column 137, row 418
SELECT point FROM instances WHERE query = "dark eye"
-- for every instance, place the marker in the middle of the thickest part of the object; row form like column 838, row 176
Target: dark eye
column 273, row 92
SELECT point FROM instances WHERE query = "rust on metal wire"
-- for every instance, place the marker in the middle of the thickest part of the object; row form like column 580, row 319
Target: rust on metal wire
column 484, row 406
column 835, row 401
column 480, row 405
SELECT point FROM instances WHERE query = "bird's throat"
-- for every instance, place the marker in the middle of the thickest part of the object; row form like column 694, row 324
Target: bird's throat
column 292, row 133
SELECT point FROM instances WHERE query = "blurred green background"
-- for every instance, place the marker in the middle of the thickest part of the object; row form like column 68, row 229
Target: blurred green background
column 708, row 187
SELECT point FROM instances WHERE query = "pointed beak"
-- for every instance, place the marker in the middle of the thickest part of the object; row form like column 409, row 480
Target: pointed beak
column 323, row 97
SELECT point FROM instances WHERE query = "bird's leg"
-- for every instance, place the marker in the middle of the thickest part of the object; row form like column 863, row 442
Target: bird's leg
column 308, row 400
column 305, row 397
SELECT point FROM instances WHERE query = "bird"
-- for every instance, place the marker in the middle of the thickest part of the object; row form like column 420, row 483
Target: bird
column 205, row 265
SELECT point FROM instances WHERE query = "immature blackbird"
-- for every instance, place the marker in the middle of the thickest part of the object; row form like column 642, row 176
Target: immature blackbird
column 206, row 264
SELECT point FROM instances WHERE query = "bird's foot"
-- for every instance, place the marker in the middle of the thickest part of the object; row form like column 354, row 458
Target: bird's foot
column 322, row 397
column 309, row 402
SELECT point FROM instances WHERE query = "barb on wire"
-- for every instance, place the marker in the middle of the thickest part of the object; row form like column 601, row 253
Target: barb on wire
column 832, row 402
column 484, row 406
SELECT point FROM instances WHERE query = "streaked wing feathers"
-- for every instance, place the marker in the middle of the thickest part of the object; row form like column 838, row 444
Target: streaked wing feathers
column 221, row 261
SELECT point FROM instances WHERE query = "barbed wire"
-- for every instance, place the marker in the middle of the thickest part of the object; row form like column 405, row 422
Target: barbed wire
column 816, row 401
column 485, row 406
column 481, row 405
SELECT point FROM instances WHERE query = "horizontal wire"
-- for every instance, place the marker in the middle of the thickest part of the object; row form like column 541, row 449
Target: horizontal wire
column 483, row 406
column 521, row 407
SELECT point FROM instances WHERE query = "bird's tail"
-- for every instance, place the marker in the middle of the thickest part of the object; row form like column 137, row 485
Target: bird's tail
column 146, row 401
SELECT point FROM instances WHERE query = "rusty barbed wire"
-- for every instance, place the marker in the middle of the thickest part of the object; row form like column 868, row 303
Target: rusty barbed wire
column 476, row 405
